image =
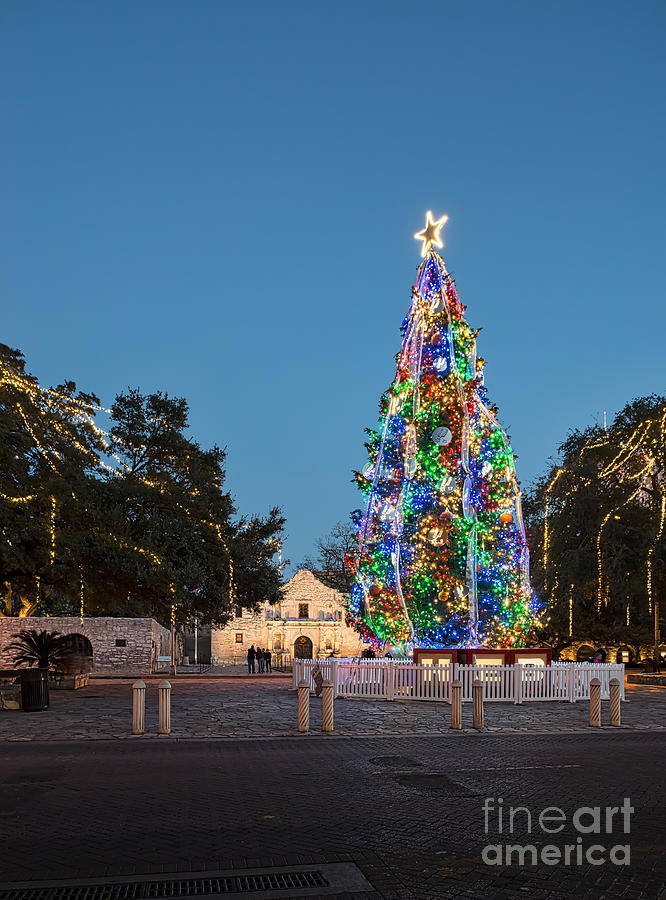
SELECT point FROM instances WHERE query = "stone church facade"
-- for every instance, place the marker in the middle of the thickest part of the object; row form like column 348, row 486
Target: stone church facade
column 309, row 622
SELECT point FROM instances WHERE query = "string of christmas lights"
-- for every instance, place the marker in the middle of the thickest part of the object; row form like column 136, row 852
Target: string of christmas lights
column 638, row 447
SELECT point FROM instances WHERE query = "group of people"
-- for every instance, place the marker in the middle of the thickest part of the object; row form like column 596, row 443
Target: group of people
column 262, row 659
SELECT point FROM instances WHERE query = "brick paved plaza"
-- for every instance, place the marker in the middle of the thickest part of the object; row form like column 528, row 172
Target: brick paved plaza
column 403, row 802
column 266, row 707
column 408, row 811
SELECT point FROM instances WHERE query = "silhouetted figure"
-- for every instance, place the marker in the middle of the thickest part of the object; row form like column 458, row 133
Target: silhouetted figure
column 250, row 660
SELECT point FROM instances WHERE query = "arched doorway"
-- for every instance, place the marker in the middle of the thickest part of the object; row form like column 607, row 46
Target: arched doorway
column 625, row 655
column 79, row 655
column 585, row 653
column 302, row 648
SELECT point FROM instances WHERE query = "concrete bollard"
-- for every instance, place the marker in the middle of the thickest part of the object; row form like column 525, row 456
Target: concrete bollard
column 595, row 703
column 456, row 705
column 477, row 704
column 327, row 706
column 615, row 703
column 303, row 706
column 138, row 707
column 164, row 723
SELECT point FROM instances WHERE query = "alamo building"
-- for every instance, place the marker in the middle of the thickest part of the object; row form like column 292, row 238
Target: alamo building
column 309, row 622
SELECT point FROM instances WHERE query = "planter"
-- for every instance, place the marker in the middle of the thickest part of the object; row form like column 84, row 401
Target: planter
column 34, row 690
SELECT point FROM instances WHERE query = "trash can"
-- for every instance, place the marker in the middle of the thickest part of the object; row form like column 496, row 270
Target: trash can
column 34, row 689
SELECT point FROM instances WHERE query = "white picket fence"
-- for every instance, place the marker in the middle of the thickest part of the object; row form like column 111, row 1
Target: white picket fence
column 383, row 679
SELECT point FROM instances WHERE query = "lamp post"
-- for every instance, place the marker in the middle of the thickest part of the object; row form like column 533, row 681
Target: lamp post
column 658, row 581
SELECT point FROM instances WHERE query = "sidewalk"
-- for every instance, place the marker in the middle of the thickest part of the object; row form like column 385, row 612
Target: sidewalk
column 260, row 707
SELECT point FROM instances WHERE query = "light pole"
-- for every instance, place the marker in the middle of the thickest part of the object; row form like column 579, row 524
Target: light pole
column 658, row 581
column 657, row 637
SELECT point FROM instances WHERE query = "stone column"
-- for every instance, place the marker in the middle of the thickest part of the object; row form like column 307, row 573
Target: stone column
column 164, row 725
column 328, row 693
column 477, row 704
column 615, row 702
column 138, row 707
column 456, row 705
column 595, row 703
column 303, row 706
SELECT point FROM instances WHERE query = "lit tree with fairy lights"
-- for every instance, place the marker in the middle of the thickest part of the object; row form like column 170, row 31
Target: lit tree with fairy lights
column 442, row 557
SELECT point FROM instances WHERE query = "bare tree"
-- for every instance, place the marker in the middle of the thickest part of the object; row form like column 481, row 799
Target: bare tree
column 329, row 562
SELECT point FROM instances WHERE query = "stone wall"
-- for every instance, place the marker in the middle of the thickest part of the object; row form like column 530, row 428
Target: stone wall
column 120, row 646
column 611, row 650
column 278, row 627
column 224, row 646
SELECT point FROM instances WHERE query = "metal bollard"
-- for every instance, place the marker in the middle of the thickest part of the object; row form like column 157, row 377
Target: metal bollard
column 615, row 702
column 595, row 703
column 138, row 706
column 164, row 724
column 456, row 705
column 303, row 706
column 477, row 704
column 327, row 706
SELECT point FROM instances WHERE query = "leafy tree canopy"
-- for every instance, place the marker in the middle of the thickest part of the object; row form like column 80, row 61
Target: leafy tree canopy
column 133, row 521
column 597, row 526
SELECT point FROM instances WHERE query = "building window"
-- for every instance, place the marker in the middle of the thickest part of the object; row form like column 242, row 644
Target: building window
column 303, row 611
column 239, row 637
column 239, row 611
column 121, row 642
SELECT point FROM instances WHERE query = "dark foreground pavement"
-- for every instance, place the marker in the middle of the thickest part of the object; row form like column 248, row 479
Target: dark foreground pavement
column 407, row 811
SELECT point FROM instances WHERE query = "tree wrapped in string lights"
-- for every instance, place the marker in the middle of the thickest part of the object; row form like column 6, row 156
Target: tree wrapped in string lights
column 442, row 557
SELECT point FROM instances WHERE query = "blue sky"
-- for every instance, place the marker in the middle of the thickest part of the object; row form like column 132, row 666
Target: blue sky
column 218, row 199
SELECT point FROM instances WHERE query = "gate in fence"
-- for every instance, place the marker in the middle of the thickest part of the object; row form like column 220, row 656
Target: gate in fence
column 384, row 679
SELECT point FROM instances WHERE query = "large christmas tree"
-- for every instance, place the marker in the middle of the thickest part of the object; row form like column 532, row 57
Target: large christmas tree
column 442, row 557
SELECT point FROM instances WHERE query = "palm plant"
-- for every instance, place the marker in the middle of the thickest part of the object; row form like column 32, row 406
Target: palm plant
column 44, row 649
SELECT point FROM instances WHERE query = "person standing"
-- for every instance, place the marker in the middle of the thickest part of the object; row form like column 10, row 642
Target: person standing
column 260, row 660
column 267, row 659
column 250, row 660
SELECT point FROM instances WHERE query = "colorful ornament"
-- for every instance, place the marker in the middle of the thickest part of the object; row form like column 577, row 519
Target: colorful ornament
column 442, row 436
column 386, row 512
column 448, row 484
column 436, row 536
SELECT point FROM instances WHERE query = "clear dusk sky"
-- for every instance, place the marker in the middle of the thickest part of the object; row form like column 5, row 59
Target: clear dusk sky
column 218, row 199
